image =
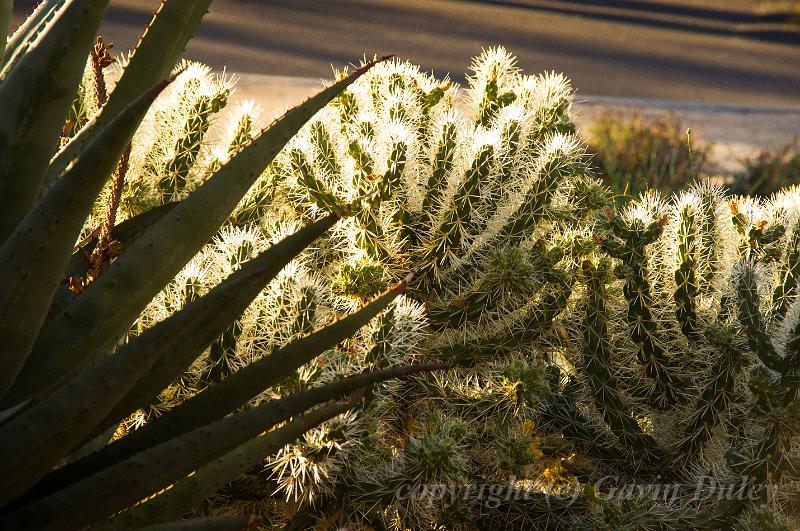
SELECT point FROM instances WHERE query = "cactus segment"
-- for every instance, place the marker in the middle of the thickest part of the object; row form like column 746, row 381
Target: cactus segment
column 752, row 322
column 92, row 323
column 34, row 256
column 788, row 275
column 35, row 97
column 457, row 219
column 442, row 164
column 602, row 382
column 687, row 289
column 316, row 191
column 559, row 159
column 717, row 395
column 644, row 328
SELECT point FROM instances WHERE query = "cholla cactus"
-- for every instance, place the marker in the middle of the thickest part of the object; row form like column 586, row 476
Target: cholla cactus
column 593, row 350
column 476, row 191
column 684, row 379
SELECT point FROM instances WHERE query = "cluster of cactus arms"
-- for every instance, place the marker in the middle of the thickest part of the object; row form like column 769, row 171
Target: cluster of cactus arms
column 229, row 333
column 610, row 368
column 78, row 355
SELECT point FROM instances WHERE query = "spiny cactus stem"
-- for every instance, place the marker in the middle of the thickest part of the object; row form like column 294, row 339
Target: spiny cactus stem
column 789, row 274
column 715, row 398
column 100, row 58
column 752, row 322
column 602, row 382
column 687, row 289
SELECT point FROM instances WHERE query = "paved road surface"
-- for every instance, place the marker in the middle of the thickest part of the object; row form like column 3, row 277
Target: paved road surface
column 714, row 51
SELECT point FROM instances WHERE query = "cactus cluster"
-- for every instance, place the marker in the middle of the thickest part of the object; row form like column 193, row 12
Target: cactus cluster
column 611, row 367
column 236, row 295
column 78, row 355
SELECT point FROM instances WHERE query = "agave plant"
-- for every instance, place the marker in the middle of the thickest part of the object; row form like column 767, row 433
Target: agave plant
column 70, row 369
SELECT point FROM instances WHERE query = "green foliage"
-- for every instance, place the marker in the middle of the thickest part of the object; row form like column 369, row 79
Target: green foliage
column 637, row 153
column 769, row 170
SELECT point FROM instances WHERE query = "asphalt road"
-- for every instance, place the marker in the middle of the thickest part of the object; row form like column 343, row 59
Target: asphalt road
column 712, row 51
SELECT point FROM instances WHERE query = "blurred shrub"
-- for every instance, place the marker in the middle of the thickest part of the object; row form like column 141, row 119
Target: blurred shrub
column 769, row 171
column 638, row 153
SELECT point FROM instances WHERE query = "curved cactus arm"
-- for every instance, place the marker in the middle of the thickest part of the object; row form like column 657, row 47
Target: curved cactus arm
column 156, row 467
column 156, row 53
column 33, row 257
column 788, row 275
column 217, row 401
column 522, row 331
column 41, row 435
column 752, row 322
column 35, row 97
column 91, row 325
column 223, row 523
column 602, row 382
column 5, row 19
column 192, row 490
column 644, row 329
column 19, row 42
column 716, row 398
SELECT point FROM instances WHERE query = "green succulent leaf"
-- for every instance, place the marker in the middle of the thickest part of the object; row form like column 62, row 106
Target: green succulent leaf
column 221, row 523
column 217, row 401
column 125, row 234
column 33, row 257
column 5, row 19
column 40, row 436
column 158, row 466
column 35, row 96
column 22, row 38
column 211, row 477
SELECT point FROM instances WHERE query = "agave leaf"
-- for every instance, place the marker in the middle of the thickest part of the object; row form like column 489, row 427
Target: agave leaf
column 156, row 53
column 36, row 439
column 33, row 257
column 35, row 97
column 5, row 19
column 217, row 401
column 192, row 490
column 223, row 523
column 181, row 338
column 90, row 326
column 19, row 42
column 157, row 467
column 125, row 234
